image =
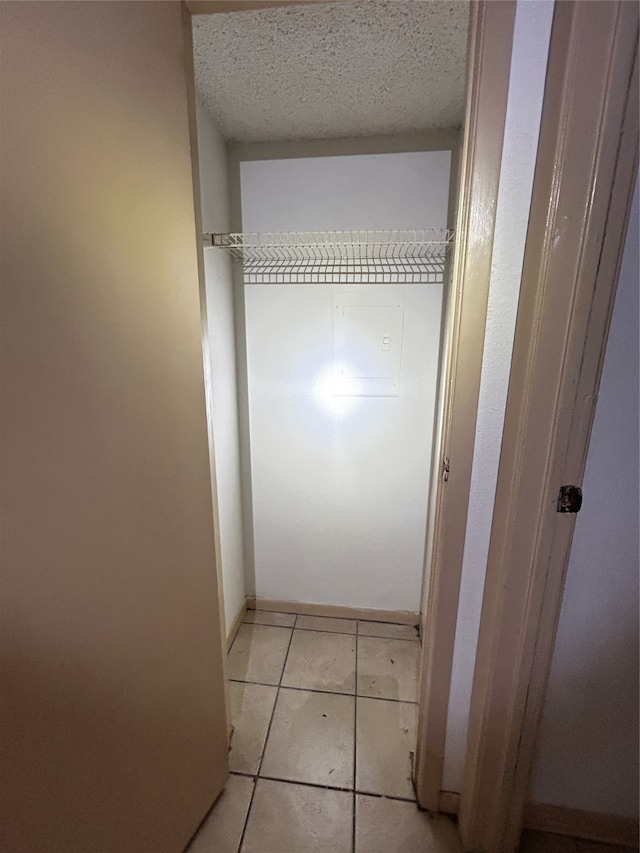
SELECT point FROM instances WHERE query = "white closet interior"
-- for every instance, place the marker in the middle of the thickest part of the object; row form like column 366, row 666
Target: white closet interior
column 325, row 278
column 342, row 262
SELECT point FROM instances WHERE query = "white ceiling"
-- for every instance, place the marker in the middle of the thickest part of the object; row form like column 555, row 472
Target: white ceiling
column 363, row 68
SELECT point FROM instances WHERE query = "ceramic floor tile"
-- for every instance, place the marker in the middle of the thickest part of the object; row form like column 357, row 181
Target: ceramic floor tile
column 258, row 653
column 545, row 842
column 311, row 739
column 268, row 617
column 388, row 669
column 386, row 735
column 392, row 826
column 251, row 707
column 288, row 818
column 387, row 629
column 319, row 661
column 326, row 623
column 222, row 830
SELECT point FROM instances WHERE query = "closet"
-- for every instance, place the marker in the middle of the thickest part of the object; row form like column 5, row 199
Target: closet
column 326, row 273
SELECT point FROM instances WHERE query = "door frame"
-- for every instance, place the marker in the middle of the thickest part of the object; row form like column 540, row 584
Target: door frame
column 187, row 32
column 488, row 66
column 475, row 176
column 585, row 175
column 476, row 170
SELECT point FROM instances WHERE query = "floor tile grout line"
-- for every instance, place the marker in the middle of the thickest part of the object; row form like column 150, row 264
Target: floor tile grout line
column 342, row 633
column 361, row 633
column 315, row 630
column 325, row 631
column 321, row 787
column 329, row 692
column 264, row 746
column 340, row 618
column 273, row 711
column 317, row 616
column 318, row 785
column 355, row 746
column 355, row 633
column 390, row 639
column 282, row 627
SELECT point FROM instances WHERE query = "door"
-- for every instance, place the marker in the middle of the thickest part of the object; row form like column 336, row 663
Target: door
column 113, row 725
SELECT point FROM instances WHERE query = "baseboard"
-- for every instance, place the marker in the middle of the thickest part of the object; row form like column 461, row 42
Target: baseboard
column 591, row 826
column 449, row 802
column 235, row 625
column 400, row 617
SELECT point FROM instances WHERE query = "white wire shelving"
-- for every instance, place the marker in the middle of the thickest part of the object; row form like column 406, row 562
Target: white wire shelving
column 339, row 257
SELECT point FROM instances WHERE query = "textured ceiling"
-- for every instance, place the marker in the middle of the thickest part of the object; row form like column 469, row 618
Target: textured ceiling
column 333, row 69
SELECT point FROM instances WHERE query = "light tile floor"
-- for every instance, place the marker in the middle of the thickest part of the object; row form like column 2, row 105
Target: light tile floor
column 324, row 713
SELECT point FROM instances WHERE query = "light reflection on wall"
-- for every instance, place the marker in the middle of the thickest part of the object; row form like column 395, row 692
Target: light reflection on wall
column 335, row 391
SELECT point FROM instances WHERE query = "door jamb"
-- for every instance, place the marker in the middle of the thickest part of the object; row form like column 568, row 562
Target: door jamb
column 197, row 203
column 488, row 67
column 587, row 161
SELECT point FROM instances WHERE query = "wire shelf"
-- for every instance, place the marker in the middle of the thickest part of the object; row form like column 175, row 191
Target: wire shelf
column 339, row 257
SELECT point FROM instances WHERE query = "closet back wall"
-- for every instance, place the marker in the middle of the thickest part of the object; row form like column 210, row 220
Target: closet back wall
column 340, row 484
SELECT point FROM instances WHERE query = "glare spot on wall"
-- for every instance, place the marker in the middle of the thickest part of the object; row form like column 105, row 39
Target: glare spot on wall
column 334, row 392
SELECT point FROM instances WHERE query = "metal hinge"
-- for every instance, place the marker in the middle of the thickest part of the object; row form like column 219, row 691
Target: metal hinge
column 570, row 499
column 445, row 468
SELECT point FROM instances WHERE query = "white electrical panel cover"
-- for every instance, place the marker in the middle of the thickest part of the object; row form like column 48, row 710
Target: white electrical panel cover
column 366, row 345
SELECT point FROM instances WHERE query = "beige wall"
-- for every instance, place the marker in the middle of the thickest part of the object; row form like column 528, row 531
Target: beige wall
column 112, row 731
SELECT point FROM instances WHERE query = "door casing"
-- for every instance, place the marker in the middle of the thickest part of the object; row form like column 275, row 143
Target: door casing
column 476, row 171
column 488, row 67
column 585, row 175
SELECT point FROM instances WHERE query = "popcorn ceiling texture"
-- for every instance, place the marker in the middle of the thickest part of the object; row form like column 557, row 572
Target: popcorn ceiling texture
column 333, row 69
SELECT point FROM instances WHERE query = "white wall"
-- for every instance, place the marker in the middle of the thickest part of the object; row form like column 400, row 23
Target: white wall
column 222, row 360
column 340, row 483
column 342, row 193
column 588, row 746
column 528, row 69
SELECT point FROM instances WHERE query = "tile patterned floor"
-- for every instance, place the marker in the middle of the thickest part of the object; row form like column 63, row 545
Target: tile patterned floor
column 324, row 714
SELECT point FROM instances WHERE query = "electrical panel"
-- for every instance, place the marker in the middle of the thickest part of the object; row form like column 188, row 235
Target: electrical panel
column 366, row 345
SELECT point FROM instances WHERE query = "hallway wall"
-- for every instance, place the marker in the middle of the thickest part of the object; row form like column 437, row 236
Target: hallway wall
column 214, row 191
